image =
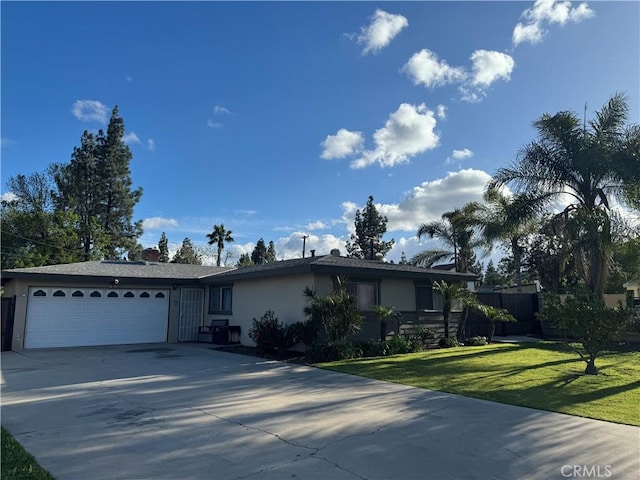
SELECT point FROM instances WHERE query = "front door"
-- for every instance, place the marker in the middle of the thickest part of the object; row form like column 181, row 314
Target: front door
column 191, row 313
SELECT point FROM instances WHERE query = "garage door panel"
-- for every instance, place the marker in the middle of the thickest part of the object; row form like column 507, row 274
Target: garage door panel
column 83, row 320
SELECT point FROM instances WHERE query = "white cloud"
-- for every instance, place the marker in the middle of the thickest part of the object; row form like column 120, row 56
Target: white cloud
column 291, row 246
column 159, row 222
column 214, row 125
column 9, row 197
column 489, row 66
column 441, row 112
column 462, row 154
column 428, row 201
column 5, row 142
column 547, row 12
column 151, row 145
column 342, row 144
column 317, row 225
column 382, row 29
column 410, row 130
column 129, row 78
column 425, row 68
column 130, row 138
column 459, row 155
column 220, row 110
column 90, row 111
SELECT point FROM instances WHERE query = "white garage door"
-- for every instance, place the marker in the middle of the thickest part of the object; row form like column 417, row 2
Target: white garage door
column 73, row 317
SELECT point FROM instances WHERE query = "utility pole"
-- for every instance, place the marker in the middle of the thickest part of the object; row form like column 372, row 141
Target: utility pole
column 304, row 243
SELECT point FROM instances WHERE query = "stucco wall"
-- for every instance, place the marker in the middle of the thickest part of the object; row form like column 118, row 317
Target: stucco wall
column 252, row 297
column 398, row 293
column 20, row 288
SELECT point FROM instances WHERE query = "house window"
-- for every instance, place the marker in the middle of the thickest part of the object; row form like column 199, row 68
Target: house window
column 77, row 293
column 144, row 295
column 365, row 292
column 95, row 294
column 58, row 293
column 40, row 293
column 220, row 299
column 129, row 295
column 427, row 298
column 112, row 294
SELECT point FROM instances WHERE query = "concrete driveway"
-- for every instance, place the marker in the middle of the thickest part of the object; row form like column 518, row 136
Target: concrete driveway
column 188, row 412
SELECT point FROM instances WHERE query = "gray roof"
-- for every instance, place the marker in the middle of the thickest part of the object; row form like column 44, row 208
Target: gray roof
column 117, row 269
column 337, row 265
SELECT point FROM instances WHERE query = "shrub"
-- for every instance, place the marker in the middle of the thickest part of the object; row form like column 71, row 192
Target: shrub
column 397, row 344
column 333, row 351
column 477, row 341
column 372, row 348
column 270, row 335
column 448, row 342
column 336, row 315
column 424, row 336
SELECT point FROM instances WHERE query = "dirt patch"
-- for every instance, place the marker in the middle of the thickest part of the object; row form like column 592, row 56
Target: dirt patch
column 288, row 356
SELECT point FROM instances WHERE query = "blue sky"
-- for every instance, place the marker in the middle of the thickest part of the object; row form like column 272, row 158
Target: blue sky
column 280, row 118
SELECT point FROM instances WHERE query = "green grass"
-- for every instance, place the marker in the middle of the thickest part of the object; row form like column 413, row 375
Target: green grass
column 17, row 464
column 542, row 375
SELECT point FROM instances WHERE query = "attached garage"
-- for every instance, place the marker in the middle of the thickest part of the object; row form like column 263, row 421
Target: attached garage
column 72, row 317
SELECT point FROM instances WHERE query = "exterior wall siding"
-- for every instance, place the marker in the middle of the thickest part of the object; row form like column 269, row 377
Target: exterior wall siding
column 252, row 297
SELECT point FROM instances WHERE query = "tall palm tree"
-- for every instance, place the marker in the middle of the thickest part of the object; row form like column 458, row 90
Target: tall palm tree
column 456, row 231
column 590, row 162
column 219, row 236
column 507, row 219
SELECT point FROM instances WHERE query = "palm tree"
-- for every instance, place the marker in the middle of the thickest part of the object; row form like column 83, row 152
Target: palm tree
column 219, row 236
column 455, row 231
column 387, row 314
column 494, row 314
column 507, row 219
column 591, row 163
column 449, row 293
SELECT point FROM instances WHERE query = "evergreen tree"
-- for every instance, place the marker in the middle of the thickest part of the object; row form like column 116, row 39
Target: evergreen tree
column 244, row 260
column 367, row 241
column 96, row 186
column 163, row 246
column 187, row 253
column 259, row 254
column 271, row 252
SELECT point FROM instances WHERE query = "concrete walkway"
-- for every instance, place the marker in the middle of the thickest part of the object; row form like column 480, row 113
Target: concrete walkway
column 188, row 412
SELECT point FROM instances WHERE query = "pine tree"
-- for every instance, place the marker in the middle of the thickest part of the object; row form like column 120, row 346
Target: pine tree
column 244, row 260
column 96, row 186
column 367, row 241
column 187, row 253
column 271, row 252
column 163, row 246
column 259, row 254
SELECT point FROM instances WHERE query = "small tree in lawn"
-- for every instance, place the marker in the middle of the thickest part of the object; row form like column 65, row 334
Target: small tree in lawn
column 494, row 314
column 587, row 324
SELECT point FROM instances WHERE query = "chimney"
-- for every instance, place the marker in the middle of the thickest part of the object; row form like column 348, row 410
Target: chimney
column 335, row 252
column 313, row 253
column 151, row 255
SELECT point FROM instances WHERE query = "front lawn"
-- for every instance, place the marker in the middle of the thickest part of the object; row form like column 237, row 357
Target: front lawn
column 543, row 375
column 17, row 464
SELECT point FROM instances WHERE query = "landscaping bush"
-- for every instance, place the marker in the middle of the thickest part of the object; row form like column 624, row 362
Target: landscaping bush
column 448, row 342
column 397, row 344
column 476, row 341
column 329, row 352
column 423, row 336
column 372, row 348
column 270, row 335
